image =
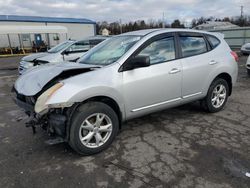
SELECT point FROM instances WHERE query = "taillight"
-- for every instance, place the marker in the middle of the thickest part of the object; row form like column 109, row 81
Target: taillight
column 235, row 56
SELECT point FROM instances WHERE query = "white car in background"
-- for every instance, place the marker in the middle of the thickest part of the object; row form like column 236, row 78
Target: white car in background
column 248, row 65
column 245, row 49
column 67, row 51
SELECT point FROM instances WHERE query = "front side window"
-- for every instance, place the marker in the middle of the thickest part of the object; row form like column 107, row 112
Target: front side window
column 110, row 50
column 192, row 45
column 160, row 51
column 80, row 46
column 60, row 47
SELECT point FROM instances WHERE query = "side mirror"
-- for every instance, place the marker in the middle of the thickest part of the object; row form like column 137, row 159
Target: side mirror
column 66, row 52
column 136, row 62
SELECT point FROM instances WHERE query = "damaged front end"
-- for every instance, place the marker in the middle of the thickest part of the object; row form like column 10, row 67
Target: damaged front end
column 33, row 91
column 53, row 119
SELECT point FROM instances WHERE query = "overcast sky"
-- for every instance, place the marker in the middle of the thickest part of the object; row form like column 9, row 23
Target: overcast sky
column 113, row 10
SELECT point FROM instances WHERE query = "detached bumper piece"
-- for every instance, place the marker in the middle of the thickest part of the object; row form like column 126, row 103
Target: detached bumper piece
column 58, row 123
column 27, row 107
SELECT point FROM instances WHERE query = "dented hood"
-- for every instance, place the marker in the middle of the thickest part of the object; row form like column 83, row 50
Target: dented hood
column 33, row 81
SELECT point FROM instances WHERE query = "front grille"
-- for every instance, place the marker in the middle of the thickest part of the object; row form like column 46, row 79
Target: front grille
column 23, row 98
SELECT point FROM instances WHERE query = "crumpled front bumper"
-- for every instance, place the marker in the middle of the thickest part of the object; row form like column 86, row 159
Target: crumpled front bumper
column 55, row 123
column 27, row 107
column 21, row 103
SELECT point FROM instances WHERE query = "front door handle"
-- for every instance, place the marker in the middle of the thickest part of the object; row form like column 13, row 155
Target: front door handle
column 174, row 71
column 213, row 62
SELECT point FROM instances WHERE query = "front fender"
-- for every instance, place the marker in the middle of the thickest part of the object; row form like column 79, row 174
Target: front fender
column 70, row 94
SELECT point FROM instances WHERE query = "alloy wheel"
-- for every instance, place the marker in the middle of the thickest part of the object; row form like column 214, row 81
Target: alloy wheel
column 219, row 96
column 95, row 130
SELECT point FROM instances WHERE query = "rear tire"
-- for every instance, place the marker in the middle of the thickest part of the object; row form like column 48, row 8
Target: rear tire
column 217, row 96
column 94, row 127
column 248, row 72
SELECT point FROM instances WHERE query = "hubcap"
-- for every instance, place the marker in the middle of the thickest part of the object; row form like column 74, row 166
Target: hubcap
column 95, row 130
column 219, row 96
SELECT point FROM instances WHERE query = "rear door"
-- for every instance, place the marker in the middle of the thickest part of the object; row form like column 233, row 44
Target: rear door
column 196, row 63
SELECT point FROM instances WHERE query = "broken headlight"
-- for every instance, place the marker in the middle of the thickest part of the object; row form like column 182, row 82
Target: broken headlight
column 41, row 105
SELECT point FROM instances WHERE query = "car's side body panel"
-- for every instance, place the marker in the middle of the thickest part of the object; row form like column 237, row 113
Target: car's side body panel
column 148, row 88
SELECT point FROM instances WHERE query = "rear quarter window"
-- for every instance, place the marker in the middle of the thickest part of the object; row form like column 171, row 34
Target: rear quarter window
column 192, row 45
column 213, row 41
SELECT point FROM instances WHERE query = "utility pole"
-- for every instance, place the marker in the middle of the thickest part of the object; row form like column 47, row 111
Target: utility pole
column 241, row 12
column 121, row 26
column 242, row 21
column 163, row 20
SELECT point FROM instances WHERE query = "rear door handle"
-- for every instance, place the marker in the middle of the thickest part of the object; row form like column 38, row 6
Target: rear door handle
column 174, row 71
column 213, row 62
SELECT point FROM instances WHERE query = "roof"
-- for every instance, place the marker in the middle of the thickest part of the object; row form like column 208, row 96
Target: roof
column 141, row 32
column 32, row 29
column 144, row 32
column 15, row 18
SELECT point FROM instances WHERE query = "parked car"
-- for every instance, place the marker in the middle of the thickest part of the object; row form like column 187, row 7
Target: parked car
column 248, row 65
column 245, row 49
column 125, row 77
column 67, row 51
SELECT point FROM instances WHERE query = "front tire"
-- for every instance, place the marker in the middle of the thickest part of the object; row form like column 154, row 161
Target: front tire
column 94, row 127
column 217, row 96
column 248, row 72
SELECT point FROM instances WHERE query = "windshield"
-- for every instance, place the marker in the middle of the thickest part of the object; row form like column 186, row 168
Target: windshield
column 110, row 50
column 60, row 47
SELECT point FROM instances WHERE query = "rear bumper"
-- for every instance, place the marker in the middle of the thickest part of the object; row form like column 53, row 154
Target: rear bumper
column 248, row 66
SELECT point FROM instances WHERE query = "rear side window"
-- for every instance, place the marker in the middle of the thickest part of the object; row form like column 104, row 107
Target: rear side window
column 213, row 41
column 95, row 42
column 192, row 45
column 160, row 51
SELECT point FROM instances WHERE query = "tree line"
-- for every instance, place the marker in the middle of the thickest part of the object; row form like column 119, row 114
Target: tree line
column 116, row 27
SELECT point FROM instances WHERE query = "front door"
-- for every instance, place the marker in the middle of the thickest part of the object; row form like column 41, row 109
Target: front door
column 157, row 86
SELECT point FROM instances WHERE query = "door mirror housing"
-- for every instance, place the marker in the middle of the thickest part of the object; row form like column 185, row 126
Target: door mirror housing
column 136, row 62
column 65, row 52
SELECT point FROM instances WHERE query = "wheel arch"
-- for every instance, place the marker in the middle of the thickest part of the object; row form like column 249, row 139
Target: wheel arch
column 110, row 102
column 101, row 98
column 227, row 78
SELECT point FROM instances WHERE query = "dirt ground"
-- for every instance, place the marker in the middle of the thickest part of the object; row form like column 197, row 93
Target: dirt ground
column 180, row 147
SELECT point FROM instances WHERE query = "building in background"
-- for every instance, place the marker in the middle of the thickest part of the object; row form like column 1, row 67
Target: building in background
column 234, row 35
column 26, row 39
column 105, row 32
column 212, row 25
column 77, row 29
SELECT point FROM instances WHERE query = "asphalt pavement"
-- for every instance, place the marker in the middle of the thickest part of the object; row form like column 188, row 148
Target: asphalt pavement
column 179, row 147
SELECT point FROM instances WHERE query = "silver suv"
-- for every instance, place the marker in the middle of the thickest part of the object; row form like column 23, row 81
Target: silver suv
column 124, row 77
